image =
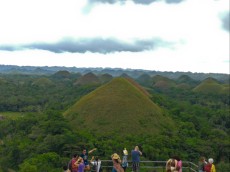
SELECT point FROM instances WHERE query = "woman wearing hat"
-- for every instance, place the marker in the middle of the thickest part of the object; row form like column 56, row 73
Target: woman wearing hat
column 116, row 163
column 125, row 159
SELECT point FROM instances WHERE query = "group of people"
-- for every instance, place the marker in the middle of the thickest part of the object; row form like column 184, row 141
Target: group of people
column 80, row 163
column 204, row 166
column 121, row 165
column 174, row 164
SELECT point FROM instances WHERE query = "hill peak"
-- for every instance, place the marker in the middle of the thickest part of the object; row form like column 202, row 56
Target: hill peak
column 88, row 79
column 118, row 106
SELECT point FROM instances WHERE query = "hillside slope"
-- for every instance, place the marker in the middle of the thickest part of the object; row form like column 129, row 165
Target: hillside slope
column 212, row 86
column 118, row 106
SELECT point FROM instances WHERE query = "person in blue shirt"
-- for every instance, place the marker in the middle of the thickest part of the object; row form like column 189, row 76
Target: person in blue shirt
column 84, row 155
column 136, row 153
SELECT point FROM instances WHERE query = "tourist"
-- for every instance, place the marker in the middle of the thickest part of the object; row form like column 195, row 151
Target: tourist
column 136, row 153
column 116, row 163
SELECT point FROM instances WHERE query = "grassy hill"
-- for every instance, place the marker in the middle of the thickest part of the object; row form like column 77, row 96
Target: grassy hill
column 163, row 83
column 62, row 74
column 145, row 80
column 88, row 79
column 43, row 82
column 104, row 78
column 212, row 86
column 118, row 106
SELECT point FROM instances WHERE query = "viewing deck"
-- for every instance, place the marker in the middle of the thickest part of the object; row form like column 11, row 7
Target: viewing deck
column 150, row 166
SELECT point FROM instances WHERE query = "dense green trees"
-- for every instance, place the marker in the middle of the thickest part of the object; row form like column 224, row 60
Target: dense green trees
column 40, row 139
column 49, row 162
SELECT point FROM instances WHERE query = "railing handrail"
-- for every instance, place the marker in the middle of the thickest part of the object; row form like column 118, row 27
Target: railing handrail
column 161, row 164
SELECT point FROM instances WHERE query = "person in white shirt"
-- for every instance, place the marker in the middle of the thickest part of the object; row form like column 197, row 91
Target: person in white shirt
column 96, row 162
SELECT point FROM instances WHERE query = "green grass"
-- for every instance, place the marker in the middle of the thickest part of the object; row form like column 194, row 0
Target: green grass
column 211, row 87
column 11, row 115
column 119, row 106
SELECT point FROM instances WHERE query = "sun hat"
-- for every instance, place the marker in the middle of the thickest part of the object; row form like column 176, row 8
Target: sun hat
column 210, row 160
column 115, row 156
column 125, row 151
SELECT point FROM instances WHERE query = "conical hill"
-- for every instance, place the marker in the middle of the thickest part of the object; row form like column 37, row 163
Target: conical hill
column 145, row 80
column 43, row 82
column 163, row 83
column 88, row 79
column 118, row 106
column 62, row 74
column 212, row 86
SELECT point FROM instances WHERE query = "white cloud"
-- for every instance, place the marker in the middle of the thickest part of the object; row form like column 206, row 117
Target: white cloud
column 193, row 27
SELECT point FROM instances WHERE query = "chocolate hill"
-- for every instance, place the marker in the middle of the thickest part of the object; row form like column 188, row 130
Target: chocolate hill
column 118, row 106
column 88, row 79
column 163, row 83
column 212, row 86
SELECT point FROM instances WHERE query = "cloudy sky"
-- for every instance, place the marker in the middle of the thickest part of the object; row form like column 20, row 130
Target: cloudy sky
column 163, row 35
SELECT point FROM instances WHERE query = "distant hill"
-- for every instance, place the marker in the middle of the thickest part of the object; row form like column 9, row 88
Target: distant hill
column 185, row 79
column 163, row 83
column 104, row 78
column 118, row 106
column 125, row 75
column 115, row 72
column 145, row 79
column 88, row 79
column 43, row 82
column 62, row 74
column 185, row 82
column 212, row 86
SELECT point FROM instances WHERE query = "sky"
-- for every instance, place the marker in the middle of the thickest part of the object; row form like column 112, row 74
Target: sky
column 160, row 35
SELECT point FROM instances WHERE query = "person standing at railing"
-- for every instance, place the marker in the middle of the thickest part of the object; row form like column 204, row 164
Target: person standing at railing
column 179, row 163
column 136, row 153
column 116, row 163
column 201, row 164
column 71, row 165
column 125, row 159
column 171, row 165
column 80, row 165
column 96, row 162
column 210, row 167
column 84, row 156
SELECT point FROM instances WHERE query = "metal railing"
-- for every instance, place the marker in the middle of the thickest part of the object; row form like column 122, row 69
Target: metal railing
column 150, row 166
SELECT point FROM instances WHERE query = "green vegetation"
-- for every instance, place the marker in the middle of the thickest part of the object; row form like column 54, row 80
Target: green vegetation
column 118, row 107
column 211, row 86
column 182, row 118
column 11, row 115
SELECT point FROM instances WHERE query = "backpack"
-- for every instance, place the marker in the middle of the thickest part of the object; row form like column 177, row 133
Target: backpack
column 207, row 167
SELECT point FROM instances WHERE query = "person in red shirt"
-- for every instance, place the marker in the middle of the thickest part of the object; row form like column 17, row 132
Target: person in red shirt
column 74, row 168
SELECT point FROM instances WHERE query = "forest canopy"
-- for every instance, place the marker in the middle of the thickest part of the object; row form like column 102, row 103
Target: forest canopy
column 36, row 135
